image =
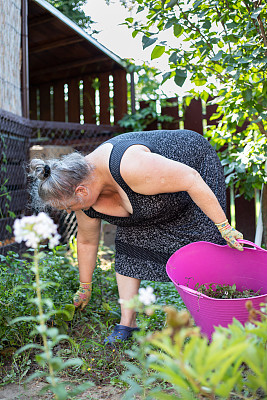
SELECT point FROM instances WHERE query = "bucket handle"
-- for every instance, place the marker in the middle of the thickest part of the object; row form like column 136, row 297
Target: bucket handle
column 250, row 244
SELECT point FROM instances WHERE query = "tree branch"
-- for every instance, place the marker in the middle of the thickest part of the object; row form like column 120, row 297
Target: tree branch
column 263, row 34
column 249, row 12
column 260, row 126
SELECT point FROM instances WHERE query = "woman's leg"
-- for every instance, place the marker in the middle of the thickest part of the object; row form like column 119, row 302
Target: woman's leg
column 128, row 287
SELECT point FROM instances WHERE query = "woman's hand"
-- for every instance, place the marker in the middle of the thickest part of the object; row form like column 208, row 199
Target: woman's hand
column 83, row 295
column 230, row 235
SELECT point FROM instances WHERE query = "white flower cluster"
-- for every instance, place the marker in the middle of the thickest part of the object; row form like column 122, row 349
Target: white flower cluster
column 146, row 296
column 36, row 228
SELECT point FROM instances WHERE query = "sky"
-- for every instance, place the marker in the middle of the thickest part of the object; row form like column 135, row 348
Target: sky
column 118, row 38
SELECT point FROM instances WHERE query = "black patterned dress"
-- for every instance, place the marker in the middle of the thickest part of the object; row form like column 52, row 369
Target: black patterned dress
column 162, row 223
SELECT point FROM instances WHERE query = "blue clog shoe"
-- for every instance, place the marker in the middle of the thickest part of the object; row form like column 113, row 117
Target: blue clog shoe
column 120, row 333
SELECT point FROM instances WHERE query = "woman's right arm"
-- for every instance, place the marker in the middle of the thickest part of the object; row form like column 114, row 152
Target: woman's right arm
column 87, row 244
column 87, row 247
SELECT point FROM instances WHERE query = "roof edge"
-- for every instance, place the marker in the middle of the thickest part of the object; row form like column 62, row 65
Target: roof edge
column 80, row 31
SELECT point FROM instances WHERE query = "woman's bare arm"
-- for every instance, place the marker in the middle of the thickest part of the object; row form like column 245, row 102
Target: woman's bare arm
column 149, row 173
column 87, row 245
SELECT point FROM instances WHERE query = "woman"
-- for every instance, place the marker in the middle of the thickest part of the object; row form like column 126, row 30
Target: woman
column 163, row 190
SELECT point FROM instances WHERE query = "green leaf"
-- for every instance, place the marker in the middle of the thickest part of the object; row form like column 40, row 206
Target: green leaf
column 147, row 41
column 256, row 13
column 180, row 77
column 29, row 346
column 199, row 82
column 248, row 94
column 157, row 52
column 171, row 3
column 218, row 56
column 204, row 95
column 177, row 30
column 206, row 25
column 197, row 3
column 173, row 58
column 218, row 68
column 165, row 77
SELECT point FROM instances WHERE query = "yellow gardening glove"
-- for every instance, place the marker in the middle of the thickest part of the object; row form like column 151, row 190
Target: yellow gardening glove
column 83, row 295
column 230, row 235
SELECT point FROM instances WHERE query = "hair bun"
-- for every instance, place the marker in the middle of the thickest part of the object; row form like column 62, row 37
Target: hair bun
column 38, row 169
column 47, row 171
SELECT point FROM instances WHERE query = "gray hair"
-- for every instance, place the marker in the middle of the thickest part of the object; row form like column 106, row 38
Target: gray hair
column 55, row 180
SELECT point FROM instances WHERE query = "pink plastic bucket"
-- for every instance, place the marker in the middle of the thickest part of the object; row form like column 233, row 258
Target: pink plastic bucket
column 206, row 262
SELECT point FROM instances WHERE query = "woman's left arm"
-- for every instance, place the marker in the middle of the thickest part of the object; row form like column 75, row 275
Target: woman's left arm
column 149, row 173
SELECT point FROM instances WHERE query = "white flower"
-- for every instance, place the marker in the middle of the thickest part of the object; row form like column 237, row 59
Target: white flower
column 146, row 296
column 54, row 241
column 34, row 229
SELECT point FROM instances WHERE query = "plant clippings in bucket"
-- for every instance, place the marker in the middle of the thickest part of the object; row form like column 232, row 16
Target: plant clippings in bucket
column 225, row 291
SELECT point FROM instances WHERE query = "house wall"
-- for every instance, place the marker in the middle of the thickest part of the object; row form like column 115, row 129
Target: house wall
column 10, row 56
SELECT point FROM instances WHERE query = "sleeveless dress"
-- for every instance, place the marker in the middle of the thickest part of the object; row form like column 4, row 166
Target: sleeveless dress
column 162, row 223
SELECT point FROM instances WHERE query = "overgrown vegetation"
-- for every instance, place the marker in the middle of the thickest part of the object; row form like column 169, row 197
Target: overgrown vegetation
column 232, row 366
column 225, row 291
column 222, row 48
column 87, row 330
column 166, row 362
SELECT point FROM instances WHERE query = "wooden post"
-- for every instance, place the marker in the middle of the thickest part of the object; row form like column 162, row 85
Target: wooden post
column 104, row 98
column 45, row 113
column 89, row 100
column 59, row 101
column 133, row 106
column 171, row 111
column 25, row 60
column 33, row 103
column 120, row 94
column 193, row 116
column 154, row 124
column 210, row 110
column 245, row 217
column 74, row 101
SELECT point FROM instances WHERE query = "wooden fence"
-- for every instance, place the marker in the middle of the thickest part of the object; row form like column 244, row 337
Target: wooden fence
column 92, row 99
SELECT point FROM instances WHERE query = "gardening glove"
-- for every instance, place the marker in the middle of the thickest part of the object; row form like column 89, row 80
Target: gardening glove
column 230, row 235
column 83, row 295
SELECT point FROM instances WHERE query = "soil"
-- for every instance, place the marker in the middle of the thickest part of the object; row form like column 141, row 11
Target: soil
column 18, row 392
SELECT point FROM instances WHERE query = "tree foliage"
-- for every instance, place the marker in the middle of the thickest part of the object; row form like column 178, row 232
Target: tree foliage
column 73, row 10
column 220, row 45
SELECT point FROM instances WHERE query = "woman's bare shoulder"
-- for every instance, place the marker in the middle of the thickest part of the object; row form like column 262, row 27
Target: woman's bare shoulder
column 100, row 153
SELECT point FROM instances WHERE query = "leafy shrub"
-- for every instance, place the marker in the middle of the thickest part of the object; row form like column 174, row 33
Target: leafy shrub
column 14, row 272
column 231, row 366
column 16, row 291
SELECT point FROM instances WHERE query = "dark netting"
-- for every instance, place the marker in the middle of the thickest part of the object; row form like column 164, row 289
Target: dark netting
column 84, row 138
column 15, row 135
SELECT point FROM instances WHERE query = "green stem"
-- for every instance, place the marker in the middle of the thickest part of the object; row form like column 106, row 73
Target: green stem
column 42, row 319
